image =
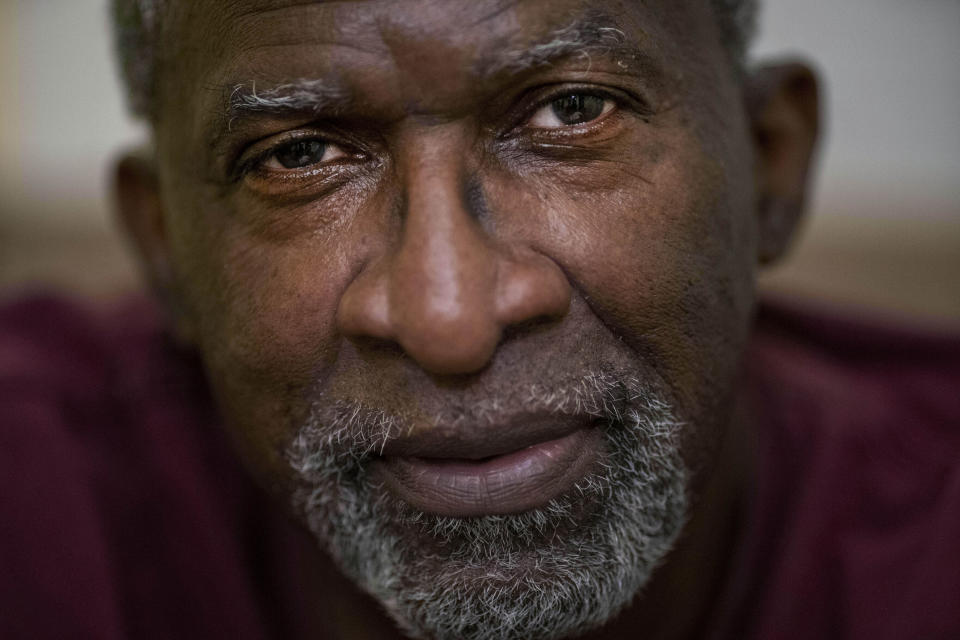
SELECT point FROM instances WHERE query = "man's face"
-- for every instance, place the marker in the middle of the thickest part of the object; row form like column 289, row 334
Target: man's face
column 471, row 280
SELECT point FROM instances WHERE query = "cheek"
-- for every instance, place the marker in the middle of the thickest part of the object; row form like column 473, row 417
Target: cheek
column 277, row 320
column 262, row 292
column 262, row 277
column 660, row 248
column 269, row 340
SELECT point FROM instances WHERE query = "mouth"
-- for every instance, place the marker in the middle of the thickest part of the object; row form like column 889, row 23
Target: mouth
column 475, row 482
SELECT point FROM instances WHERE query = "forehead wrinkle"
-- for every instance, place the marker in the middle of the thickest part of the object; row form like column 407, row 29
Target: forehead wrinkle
column 262, row 29
column 506, row 6
column 260, row 10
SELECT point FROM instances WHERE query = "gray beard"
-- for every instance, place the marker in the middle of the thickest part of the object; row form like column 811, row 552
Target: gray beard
column 555, row 571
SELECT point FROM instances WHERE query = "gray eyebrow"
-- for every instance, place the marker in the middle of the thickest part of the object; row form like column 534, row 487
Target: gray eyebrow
column 584, row 37
column 581, row 37
column 304, row 95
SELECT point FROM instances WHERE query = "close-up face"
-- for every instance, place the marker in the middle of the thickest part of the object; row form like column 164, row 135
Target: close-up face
column 471, row 281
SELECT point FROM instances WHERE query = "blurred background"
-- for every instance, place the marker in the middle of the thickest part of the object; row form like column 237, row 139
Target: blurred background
column 884, row 234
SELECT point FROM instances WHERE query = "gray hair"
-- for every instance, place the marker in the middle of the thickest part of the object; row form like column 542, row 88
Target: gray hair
column 558, row 570
column 136, row 26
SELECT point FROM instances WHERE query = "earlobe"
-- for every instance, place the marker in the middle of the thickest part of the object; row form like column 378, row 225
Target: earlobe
column 139, row 208
column 784, row 109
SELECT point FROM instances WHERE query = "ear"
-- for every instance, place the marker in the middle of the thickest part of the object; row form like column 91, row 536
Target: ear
column 140, row 211
column 784, row 108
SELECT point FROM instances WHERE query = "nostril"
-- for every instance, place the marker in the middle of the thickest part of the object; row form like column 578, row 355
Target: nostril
column 453, row 325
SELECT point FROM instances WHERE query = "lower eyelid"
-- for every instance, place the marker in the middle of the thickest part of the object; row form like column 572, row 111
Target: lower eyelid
column 310, row 182
column 589, row 135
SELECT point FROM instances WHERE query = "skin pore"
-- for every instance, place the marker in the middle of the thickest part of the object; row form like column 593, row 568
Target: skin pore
column 417, row 211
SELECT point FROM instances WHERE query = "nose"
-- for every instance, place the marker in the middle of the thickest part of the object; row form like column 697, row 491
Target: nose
column 448, row 288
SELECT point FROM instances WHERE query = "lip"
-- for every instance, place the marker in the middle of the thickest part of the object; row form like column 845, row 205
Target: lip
column 509, row 482
column 478, row 441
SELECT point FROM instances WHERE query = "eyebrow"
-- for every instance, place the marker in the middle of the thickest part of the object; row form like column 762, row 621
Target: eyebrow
column 594, row 34
column 300, row 95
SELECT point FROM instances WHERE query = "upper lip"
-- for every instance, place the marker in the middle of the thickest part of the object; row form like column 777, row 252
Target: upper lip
column 476, row 442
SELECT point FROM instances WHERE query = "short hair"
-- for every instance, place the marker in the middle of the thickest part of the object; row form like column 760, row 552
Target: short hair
column 136, row 30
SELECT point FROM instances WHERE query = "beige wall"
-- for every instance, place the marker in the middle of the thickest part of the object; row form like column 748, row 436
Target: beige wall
column 884, row 230
column 60, row 122
column 885, row 225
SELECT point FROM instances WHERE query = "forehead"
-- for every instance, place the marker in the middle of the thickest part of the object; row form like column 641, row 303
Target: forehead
column 425, row 48
column 376, row 26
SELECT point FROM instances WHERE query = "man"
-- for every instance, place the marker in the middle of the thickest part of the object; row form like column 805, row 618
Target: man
column 472, row 284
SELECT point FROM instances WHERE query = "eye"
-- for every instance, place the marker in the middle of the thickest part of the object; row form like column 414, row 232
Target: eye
column 305, row 152
column 570, row 110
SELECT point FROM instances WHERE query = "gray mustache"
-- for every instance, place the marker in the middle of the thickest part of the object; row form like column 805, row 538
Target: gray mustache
column 355, row 430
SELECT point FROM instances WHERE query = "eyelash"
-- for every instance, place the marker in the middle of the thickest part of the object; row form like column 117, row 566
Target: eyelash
column 620, row 100
column 256, row 162
column 525, row 112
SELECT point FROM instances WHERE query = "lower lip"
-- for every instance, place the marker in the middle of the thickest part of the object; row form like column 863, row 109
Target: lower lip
column 512, row 483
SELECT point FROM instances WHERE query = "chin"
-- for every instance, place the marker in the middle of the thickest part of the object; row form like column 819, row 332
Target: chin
column 559, row 569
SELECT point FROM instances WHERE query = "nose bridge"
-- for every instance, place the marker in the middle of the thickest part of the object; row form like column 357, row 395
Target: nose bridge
column 442, row 240
column 443, row 274
column 447, row 288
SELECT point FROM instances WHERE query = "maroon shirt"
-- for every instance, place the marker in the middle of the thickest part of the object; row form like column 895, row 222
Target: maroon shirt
column 124, row 514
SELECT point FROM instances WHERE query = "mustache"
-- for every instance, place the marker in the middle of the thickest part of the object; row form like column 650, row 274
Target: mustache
column 593, row 549
column 355, row 431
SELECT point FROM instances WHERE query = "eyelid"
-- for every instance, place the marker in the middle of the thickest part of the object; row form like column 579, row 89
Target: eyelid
column 270, row 154
column 540, row 97
column 256, row 154
column 608, row 106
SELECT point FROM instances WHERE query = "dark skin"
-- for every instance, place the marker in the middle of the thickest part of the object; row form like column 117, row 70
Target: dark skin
column 450, row 244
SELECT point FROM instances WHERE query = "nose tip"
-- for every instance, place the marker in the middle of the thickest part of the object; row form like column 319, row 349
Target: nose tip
column 449, row 316
column 448, row 339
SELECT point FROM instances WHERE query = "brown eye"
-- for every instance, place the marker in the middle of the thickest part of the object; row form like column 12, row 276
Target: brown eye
column 294, row 160
column 577, row 108
column 570, row 110
column 300, row 153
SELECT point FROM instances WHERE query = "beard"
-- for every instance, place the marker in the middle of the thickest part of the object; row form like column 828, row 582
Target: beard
column 558, row 570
